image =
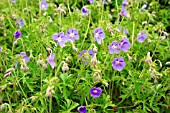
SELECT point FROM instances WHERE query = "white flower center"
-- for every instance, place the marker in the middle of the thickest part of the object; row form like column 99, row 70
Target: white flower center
column 97, row 35
column 72, row 35
column 59, row 39
column 43, row 5
column 117, row 62
column 114, row 47
column 95, row 91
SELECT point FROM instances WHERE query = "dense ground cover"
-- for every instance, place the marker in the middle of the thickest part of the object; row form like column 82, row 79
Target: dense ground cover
column 94, row 56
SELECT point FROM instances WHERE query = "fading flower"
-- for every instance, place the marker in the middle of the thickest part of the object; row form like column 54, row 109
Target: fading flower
column 103, row 1
column 124, row 3
column 14, row 0
column 50, row 60
column 142, row 36
column 99, row 35
column 119, row 29
column 118, row 63
column 82, row 109
column 85, row 55
column 25, row 57
column 19, row 22
column 60, row 38
column 124, row 12
column 0, row 49
column 17, row 34
column 72, row 34
column 95, row 92
column 114, row 47
column 91, row 1
column 126, row 31
column 124, row 44
column 85, row 11
column 43, row 5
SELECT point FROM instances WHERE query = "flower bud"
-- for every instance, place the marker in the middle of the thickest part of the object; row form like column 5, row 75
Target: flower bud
column 50, row 91
column 67, row 60
column 167, row 63
column 2, row 107
column 94, row 60
column 65, row 67
column 148, row 58
column 129, row 57
column 95, row 49
column 7, row 74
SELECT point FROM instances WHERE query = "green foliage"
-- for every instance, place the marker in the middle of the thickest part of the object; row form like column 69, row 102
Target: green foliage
column 142, row 86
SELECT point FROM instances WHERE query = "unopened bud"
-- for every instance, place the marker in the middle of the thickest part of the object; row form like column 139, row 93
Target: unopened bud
column 45, row 13
column 65, row 67
column 49, row 50
column 129, row 57
column 24, row 68
column 148, row 58
column 67, row 60
column 2, row 107
column 75, row 49
column 167, row 63
column 50, row 91
column 149, row 41
column 94, row 60
column 95, row 49
column 105, row 82
column 9, row 70
column 7, row 74
column 50, row 20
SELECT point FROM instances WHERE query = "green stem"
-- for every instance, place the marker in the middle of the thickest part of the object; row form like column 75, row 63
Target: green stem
column 133, row 32
column 124, row 97
column 68, row 5
column 85, row 36
column 58, row 68
column 117, row 7
column 50, row 106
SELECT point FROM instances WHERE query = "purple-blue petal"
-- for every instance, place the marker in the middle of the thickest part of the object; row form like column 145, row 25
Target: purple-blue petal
column 17, row 34
column 82, row 109
column 95, row 92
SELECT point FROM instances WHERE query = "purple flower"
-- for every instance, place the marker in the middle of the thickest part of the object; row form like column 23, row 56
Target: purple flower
column 91, row 1
column 50, row 60
column 0, row 49
column 43, row 5
column 123, row 12
column 72, row 34
column 118, row 63
column 114, row 47
column 85, row 57
column 85, row 11
column 82, row 109
column 91, row 53
column 126, row 31
column 103, row 1
column 25, row 57
column 95, row 92
column 124, row 3
column 19, row 22
column 142, row 36
column 124, row 44
column 14, row 0
column 99, row 35
column 17, row 34
column 120, row 29
column 60, row 38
